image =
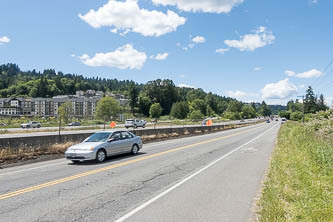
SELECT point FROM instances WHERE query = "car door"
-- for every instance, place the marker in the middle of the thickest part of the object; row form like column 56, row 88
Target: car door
column 115, row 144
column 127, row 139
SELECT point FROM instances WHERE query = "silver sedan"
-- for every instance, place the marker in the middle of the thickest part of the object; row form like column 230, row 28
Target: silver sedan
column 103, row 144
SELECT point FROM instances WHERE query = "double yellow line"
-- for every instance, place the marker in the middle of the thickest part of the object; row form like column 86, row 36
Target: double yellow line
column 91, row 172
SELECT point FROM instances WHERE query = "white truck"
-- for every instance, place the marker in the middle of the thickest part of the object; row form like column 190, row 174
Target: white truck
column 135, row 123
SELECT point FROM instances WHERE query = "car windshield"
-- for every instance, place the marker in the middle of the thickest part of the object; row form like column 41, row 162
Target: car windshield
column 98, row 137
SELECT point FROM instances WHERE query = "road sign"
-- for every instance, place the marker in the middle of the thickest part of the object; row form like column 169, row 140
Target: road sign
column 113, row 124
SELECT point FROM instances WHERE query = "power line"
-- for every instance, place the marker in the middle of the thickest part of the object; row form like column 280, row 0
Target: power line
column 324, row 76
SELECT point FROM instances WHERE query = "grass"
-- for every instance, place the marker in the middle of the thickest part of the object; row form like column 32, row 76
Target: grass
column 299, row 185
column 29, row 152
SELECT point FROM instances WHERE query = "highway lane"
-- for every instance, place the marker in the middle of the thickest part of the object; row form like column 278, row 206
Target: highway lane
column 59, row 191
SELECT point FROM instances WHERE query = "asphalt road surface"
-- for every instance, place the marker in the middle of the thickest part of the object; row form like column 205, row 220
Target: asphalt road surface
column 212, row 177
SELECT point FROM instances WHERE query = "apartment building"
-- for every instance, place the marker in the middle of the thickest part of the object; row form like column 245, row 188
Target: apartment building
column 82, row 106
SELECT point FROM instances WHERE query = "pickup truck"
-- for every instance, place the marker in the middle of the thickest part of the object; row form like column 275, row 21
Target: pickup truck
column 135, row 123
column 31, row 124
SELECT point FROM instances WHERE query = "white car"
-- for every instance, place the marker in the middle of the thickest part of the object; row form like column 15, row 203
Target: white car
column 103, row 144
column 135, row 123
column 32, row 124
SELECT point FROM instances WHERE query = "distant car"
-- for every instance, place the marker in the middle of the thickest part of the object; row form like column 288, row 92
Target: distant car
column 242, row 121
column 74, row 124
column 103, row 144
column 135, row 123
column 3, row 124
column 283, row 120
column 31, row 124
column 276, row 119
column 268, row 121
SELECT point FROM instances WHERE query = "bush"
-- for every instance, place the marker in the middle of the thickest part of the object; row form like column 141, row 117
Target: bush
column 296, row 116
column 232, row 115
column 196, row 115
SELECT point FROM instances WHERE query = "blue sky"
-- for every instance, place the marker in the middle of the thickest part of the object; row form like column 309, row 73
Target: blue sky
column 248, row 49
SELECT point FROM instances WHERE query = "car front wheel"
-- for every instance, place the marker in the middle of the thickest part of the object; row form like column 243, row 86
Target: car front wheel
column 135, row 149
column 100, row 156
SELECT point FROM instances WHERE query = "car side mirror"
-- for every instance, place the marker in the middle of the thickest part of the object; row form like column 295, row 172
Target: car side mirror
column 111, row 139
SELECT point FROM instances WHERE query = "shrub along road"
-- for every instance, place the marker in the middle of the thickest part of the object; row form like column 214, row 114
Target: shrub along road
column 210, row 177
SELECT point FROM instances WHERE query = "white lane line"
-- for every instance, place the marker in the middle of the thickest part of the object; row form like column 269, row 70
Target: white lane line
column 148, row 145
column 34, row 168
column 144, row 205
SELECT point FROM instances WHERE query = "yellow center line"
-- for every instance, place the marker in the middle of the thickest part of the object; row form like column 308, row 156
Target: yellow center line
column 91, row 172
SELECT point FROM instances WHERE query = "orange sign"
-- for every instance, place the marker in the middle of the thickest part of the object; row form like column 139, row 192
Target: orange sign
column 209, row 122
column 113, row 124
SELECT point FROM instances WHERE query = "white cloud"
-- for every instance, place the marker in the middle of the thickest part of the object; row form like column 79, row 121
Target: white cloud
column 313, row 73
column 125, row 57
column 160, row 56
column 289, row 73
column 127, row 16
column 199, row 39
column 4, row 39
column 260, row 38
column 182, row 85
column 258, row 68
column 244, row 96
column 222, row 51
column 314, row 1
column 208, row 6
column 280, row 90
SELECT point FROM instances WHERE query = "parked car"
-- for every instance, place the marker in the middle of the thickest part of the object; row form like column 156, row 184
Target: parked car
column 31, row 124
column 3, row 124
column 103, row 144
column 268, row 121
column 283, row 120
column 135, row 123
column 74, row 124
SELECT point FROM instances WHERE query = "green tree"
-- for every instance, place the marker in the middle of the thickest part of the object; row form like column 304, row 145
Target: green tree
column 264, row 109
column 198, row 104
column 296, row 116
column 285, row 114
column 144, row 105
column 235, row 106
column 133, row 97
column 107, row 109
column 196, row 115
column 310, row 101
column 155, row 110
column 163, row 92
column 179, row 110
column 65, row 112
column 321, row 103
column 248, row 112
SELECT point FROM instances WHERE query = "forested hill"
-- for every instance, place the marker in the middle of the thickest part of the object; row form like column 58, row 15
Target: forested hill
column 17, row 83
column 49, row 83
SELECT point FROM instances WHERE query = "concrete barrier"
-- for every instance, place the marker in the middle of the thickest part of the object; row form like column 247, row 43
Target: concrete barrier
column 41, row 142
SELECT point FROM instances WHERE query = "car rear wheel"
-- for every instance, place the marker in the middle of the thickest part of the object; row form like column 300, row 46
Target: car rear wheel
column 100, row 156
column 135, row 149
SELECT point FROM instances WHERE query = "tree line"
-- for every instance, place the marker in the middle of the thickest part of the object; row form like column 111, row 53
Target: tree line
column 155, row 98
column 312, row 104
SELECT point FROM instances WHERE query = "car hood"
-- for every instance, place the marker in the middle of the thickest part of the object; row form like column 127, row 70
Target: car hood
column 85, row 146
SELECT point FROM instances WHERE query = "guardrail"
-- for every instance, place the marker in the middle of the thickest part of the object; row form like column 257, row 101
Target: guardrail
column 43, row 141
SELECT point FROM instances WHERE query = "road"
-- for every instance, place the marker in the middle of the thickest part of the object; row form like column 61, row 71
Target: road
column 212, row 177
column 17, row 132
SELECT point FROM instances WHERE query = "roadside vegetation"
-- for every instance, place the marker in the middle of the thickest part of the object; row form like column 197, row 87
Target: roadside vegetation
column 299, row 185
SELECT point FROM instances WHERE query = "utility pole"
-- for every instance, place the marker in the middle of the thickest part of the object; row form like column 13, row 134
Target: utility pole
column 302, row 106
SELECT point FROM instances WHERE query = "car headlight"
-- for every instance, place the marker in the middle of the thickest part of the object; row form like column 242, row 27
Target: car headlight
column 92, row 148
